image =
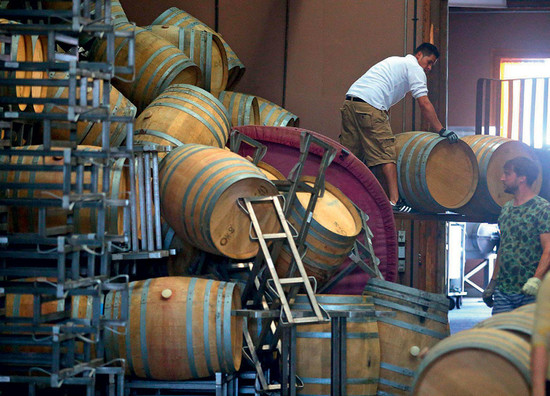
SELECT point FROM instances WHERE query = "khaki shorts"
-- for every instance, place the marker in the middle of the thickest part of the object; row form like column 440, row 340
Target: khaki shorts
column 366, row 131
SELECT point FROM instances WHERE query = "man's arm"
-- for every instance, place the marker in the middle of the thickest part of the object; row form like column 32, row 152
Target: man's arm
column 532, row 285
column 544, row 262
column 428, row 112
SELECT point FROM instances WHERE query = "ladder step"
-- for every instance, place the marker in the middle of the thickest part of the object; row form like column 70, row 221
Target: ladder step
column 291, row 281
column 279, row 235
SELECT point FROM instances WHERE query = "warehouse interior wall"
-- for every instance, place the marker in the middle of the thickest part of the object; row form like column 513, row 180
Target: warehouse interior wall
column 473, row 39
column 304, row 54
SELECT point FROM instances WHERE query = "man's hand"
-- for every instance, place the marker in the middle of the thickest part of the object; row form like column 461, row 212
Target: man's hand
column 531, row 287
column 449, row 135
column 488, row 293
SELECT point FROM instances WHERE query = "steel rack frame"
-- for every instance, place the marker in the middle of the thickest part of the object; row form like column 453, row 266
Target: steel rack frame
column 220, row 385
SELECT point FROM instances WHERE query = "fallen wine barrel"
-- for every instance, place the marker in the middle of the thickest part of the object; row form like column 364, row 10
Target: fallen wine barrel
column 178, row 328
column 492, row 152
column 244, row 109
column 184, row 114
column 313, row 345
column 432, row 174
column 272, row 114
column 199, row 191
column 332, row 232
column 176, row 17
column 47, row 184
column 158, row 64
column 420, row 322
column 202, row 47
column 89, row 132
column 349, row 175
column 527, row 308
column 476, row 362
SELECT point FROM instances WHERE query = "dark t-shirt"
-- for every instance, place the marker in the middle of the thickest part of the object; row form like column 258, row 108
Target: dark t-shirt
column 520, row 247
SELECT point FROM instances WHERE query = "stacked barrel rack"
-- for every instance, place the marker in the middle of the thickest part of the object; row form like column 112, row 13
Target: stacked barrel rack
column 66, row 210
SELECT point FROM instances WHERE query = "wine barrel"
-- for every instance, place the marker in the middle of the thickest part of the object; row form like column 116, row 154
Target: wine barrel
column 332, row 232
column 187, row 256
column 475, row 362
column 313, row 346
column 184, row 114
column 89, row 132
column 178, row 328
column 520, row 323
column 202, row 47
column 199, row 189
column 158, row 64
column 432, row 174
column 492, row 152
column 274, row 115
column 21, row 51
column 176, row 17
column 25, row 219
column 420, row 322
column 244, row 109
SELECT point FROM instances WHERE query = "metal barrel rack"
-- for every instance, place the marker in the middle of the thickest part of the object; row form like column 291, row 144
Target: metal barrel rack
column 54, row 276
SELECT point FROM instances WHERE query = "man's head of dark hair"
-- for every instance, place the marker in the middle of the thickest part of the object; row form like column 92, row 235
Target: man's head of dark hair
column 523, row 166
column 427, row 49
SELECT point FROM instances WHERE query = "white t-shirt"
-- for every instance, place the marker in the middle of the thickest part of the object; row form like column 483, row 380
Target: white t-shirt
column 387, row 82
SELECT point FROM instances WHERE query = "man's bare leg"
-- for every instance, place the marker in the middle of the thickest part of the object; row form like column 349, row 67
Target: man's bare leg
column 389, row 170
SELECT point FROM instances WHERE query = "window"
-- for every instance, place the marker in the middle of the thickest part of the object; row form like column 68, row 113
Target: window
column 524, row 103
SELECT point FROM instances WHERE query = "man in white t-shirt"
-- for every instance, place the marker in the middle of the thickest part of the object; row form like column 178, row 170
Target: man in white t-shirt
column 366, row 129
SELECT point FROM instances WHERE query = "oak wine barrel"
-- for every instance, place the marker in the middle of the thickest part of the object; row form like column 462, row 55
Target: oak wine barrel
column 332, row 232
column 492, row 152
column 184, row 114
column 176, row 17
column 158, row 64
column 313, row 345
column 432, row 174
column 178, row 328
column 476, row 362
column 202, row 47
column 244, row 109
column 420, row 322
column 520, row 323
column 199, row 189
column 272, row 114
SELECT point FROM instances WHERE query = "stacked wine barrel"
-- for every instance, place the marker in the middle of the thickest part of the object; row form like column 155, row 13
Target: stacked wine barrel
column 436, row 176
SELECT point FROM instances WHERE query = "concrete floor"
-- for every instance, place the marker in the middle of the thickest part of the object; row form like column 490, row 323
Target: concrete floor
column 473, row 310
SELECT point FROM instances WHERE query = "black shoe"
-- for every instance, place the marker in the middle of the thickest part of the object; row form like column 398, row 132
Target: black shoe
column 400, row 207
